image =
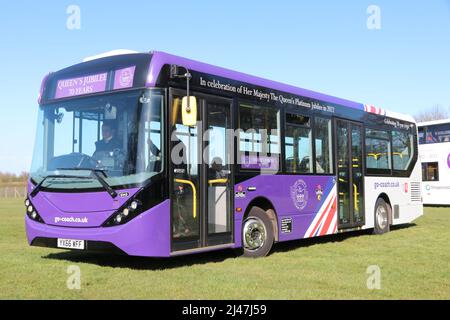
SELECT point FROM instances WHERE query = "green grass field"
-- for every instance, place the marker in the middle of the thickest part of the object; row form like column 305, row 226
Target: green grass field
column 414, row 261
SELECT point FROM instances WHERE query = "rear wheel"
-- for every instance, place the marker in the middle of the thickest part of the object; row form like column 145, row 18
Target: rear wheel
column 257, row 234
column 382, row 211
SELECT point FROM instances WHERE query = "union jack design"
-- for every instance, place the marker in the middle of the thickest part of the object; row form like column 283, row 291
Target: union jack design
column 373, row 109
column 325, row 221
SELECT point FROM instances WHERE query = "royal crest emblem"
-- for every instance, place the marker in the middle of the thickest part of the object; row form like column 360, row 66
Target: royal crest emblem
column 299, row 194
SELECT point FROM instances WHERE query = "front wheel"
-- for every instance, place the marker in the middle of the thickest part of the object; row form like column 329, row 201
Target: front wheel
column 382, row 210
column 257, row 234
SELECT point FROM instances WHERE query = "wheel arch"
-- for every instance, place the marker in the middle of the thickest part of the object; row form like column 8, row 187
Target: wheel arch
column 268, row 207
column 385, row 197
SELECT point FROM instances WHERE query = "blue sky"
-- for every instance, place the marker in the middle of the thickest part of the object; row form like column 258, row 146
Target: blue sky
column 319, row 45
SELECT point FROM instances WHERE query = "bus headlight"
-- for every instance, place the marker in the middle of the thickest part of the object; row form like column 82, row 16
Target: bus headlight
column 128, row 211
column 134, row 205
column 31, row 212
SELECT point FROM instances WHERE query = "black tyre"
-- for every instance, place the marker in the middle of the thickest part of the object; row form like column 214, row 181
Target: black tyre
column 257, row 234
column 382, row 214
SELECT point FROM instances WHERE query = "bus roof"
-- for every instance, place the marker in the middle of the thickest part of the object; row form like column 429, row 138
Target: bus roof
column 433, row 122
column 159, row 59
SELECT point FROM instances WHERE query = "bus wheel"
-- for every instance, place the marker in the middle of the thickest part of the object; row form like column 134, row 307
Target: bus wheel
column 257, row 234
column 382, row 210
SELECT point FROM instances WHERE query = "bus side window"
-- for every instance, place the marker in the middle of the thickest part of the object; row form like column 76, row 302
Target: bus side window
column 324, row 156
column 378, row 150
column 259, row 137
column 430, row 171
column 402, row 149
column 298, row 144
column 421, row 132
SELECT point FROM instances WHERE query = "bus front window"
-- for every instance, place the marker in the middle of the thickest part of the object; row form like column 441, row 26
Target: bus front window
column 119, row 134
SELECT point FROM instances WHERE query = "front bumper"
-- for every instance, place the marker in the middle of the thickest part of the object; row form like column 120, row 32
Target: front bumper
column 146, row 235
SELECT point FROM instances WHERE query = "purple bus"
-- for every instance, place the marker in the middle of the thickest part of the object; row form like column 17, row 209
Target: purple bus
column 150, row 154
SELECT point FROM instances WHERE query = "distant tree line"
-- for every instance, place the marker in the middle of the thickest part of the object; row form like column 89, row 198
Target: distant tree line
column 13, row 179
column 436, row 112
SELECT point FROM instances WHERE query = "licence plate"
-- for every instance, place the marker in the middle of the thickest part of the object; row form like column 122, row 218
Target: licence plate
column 71, row 244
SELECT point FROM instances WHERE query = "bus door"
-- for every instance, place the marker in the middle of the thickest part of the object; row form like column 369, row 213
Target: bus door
column 349, row 159
column 201, row 179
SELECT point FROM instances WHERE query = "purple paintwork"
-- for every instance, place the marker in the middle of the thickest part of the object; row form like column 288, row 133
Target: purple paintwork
column 41, row 90
column 146, row 235
column 123, row 78
column 302, row 206
column 82, row 85
column 149, row 233
column 159, row 59
column 87, row 209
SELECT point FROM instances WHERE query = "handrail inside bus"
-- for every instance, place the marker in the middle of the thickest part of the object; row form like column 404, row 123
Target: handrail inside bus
column 379, row 155
column 214, row 181
column 194, row 195
column 355, row 196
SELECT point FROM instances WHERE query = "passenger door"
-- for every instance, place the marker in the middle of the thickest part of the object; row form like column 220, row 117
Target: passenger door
column 349, row 158
column 201, row 179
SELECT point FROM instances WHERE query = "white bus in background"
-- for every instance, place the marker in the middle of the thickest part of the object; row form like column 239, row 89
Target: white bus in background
column 434, row 151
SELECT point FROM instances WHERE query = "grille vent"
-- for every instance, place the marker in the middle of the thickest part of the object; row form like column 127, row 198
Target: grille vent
column 416, row 194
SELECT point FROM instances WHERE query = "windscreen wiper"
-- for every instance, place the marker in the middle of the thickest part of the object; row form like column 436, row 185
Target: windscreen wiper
column 55, row 176
column 95, row 173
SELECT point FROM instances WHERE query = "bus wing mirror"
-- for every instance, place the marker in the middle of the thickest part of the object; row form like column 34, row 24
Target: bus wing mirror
column 189, row 111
